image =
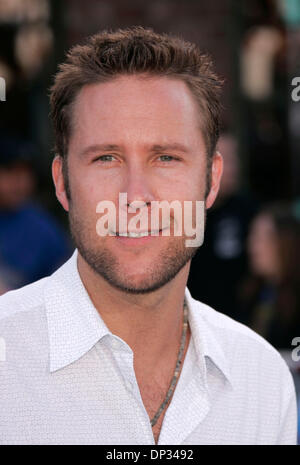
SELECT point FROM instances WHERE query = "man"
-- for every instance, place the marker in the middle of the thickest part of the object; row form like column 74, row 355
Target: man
column 93, row 352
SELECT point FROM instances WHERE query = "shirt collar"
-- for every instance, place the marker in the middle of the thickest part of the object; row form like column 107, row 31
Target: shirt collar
column 206, row 344
column 75, row 325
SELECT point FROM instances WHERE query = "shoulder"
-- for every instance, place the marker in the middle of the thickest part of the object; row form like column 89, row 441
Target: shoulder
column 23, row 333
column 221, row 322
column 261, row 378
column 257, row 371
column 23, row 300
column 243, row 347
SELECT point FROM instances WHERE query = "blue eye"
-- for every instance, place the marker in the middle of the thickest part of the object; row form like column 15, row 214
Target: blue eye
column 167, row 158
column 105, row 158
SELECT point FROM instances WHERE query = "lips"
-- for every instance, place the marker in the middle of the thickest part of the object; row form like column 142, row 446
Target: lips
column 134, row 234
column 137, row 234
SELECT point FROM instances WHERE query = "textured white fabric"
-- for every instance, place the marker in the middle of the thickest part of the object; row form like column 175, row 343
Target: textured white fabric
column 68, row 380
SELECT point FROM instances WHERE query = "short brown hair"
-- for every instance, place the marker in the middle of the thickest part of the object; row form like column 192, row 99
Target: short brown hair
column 136, row 50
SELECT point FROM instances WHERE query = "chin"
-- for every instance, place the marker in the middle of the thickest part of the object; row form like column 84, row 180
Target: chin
column 136, row 284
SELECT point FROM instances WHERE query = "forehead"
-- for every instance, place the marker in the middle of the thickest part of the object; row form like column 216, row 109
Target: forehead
column 137, row 103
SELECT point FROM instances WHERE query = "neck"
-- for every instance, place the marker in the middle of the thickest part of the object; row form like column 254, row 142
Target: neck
column 151, row 324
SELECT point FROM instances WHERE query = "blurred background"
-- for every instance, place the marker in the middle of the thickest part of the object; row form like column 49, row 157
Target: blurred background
column 248, row 267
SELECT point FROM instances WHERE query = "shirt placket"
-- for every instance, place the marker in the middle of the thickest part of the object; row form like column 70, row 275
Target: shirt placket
column 123, row 355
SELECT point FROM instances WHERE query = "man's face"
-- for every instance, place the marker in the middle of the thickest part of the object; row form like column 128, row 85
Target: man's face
column 139, row 137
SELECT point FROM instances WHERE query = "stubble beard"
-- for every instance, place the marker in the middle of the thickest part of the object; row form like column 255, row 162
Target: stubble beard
column 162, row 270
column 169, row 263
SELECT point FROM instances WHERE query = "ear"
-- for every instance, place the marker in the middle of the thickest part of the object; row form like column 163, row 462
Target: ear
column 58, row 179
column 216, row 175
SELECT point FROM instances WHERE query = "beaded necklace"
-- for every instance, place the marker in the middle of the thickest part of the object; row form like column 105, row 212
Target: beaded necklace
column 177, row 368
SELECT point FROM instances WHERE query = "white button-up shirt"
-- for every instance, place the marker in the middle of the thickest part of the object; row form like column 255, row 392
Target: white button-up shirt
column 66, row 379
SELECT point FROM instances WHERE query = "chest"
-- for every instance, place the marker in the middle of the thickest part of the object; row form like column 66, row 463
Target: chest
column 154, row 388
column 153, row 394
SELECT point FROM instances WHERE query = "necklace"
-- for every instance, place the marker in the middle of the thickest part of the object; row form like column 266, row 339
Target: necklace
column 177, row 368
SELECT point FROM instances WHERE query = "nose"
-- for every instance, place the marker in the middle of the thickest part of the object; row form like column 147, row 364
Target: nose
column 138, row 186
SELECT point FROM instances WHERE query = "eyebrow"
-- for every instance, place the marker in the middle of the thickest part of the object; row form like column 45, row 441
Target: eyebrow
column 165, row 147
column 97, row 148
column 113, row 147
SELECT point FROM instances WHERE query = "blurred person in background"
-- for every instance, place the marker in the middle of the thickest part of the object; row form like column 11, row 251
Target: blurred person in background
column 221, row 261
column 32, row 244
column 270, row 296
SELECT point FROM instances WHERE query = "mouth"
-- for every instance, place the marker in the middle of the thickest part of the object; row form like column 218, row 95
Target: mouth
column 136, row 234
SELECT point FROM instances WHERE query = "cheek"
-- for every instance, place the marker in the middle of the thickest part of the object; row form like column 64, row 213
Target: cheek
column 188, row 186
column 88, row 188
column 84, row 194
column 196, row 189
